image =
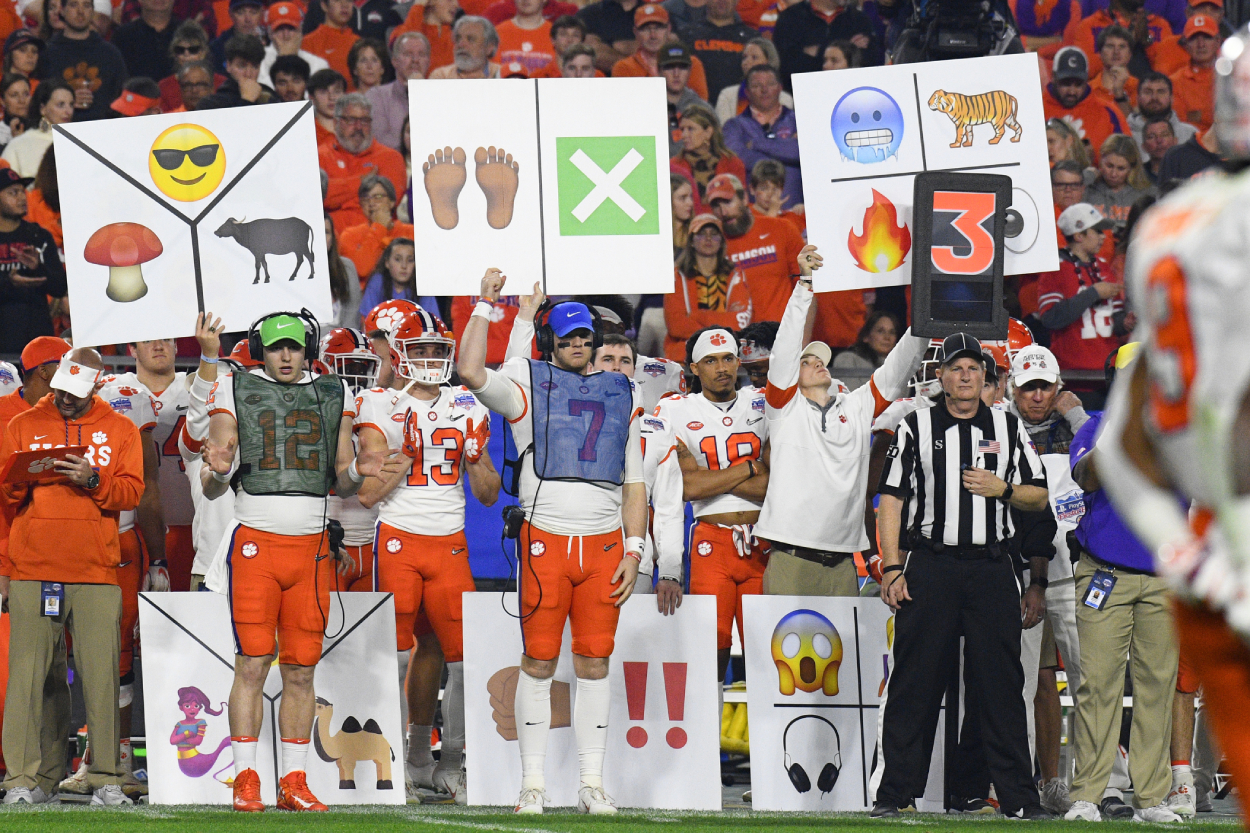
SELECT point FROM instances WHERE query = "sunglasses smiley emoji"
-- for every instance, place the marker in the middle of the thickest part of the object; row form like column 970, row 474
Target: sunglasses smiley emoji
column 187, row 162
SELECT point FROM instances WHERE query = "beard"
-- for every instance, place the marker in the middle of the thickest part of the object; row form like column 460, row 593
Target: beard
column 739, row 225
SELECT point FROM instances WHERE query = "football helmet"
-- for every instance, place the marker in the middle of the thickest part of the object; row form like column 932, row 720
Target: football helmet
column 347, row 353
column 1018, row 338
column 925, row 382
column 419, row 327
column 241, row 357
column 385, row 316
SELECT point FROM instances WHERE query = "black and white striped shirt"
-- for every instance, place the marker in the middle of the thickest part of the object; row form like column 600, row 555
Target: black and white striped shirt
column 924, row 468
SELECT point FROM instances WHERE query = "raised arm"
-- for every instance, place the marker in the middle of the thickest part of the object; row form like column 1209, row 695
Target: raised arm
column 521, row 339
column 472, row 364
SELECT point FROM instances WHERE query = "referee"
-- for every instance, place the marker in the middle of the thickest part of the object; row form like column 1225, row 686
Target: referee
column 956, row 468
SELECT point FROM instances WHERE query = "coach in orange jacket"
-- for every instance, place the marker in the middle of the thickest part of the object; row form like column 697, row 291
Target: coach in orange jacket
column 64, row 551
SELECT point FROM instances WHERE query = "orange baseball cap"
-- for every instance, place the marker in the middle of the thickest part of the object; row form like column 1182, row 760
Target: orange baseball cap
column 133, row 104
column 701, row 220
column 650, row 13
column 722, row 187
column 43, row 350
column 1201, row 23
column 284, row 14
column 1218, row 3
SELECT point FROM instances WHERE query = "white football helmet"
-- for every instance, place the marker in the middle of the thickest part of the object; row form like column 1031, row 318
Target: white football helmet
column 925, row 381
column 346, row 353
column 419, row 327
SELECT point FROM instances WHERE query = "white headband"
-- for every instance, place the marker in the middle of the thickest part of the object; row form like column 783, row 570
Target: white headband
column 714, row 341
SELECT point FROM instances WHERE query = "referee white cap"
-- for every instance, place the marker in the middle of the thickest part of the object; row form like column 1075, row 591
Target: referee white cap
column 957, row 346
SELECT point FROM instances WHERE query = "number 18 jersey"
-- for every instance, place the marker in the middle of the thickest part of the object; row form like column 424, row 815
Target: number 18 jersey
column 430, row 499
column 719, row 435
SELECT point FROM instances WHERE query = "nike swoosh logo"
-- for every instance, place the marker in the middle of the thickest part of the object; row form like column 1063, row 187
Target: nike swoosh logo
column 764, row 236
column 610, row 546
column 539, row 723
column 601, row 727
column 125, row 564
column 181, row 408
column 455, row 418
column 753, row 421
column 290, row 324
column 457, row 551
column 40, row 436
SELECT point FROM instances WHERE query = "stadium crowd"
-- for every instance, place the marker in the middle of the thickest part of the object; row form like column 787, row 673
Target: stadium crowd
column 1128, row 96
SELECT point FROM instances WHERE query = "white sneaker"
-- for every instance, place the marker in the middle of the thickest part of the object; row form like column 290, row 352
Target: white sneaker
column 531, row 802
column 110, row 795
column 21, row 795
column 1203, row 804
column 1182, row 800
column 1158, row 814
column 420, row 777
column 1083, row 811
column 451, row 781
column 77, row 783
column 595, row 801
column 1054, row 796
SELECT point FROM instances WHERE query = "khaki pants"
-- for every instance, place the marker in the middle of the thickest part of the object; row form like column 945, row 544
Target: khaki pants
column 789, row 575
column 1136, row 620
column 197, row 581
column 92, row 612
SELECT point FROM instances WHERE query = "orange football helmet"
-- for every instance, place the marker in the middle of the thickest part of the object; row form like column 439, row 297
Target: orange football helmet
column 386, row 315
column 1018, row 338
column 242, row 357
column 348, row 354
column 419, row 327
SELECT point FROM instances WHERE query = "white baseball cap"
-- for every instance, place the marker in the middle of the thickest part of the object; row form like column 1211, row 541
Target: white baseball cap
column 74, row 378
column 713, row 342
column 1082, row 216
column 820, row 350
column 1032, row 363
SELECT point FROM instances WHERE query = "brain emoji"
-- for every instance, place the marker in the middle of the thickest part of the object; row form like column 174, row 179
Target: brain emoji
column 808, row 652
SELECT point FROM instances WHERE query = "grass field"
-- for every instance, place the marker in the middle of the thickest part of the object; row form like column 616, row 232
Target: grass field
column 441, row 819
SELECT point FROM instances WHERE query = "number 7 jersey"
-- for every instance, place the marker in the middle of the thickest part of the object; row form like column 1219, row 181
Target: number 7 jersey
column 430, row 499
column 719, row 436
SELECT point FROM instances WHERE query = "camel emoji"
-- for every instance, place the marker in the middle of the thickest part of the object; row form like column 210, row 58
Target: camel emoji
column 351, row 745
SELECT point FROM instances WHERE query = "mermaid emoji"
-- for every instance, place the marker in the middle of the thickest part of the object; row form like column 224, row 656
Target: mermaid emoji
column 189, row 734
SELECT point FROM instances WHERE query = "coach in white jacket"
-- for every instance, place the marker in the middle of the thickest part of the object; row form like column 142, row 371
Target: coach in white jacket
column 820, row 431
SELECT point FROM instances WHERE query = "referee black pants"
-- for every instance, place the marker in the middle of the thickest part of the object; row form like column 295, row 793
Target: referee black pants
column 952, row 597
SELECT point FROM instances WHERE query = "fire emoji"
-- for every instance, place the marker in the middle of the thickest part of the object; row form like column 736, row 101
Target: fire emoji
column 885, row 242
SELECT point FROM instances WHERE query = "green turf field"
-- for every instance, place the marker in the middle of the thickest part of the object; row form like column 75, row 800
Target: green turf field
column 439, row 819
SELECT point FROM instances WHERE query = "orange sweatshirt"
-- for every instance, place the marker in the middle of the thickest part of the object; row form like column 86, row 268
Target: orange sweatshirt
column 62, row 532
column 10, row 406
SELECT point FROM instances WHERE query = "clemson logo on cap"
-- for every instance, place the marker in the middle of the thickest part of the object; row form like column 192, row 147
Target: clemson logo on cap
column 648, row 9
column 73, row 370
column 718, row 340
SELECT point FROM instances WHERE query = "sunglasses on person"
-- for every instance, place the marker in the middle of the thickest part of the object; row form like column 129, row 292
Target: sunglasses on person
column 171, row 159
column 188, row 50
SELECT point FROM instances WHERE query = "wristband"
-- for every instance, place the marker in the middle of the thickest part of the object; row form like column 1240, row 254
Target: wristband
column 1040, row 581
column 751, row 467
column 483, row 309
column 635, row 544
column 354, row 474
column 1007, row 493
column 222, row 478
column 207, row 360
column 892, row 568
column 159, row 562
column 634, row 555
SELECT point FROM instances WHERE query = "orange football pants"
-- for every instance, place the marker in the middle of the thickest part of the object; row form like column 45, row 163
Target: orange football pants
column 279, row 594
column 717, row 570
column 568, row 578
column 359, row 579
column 130, row 572
column 426, row 573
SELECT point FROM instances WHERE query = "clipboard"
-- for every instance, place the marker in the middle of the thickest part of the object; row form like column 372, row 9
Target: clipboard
column 37, row 466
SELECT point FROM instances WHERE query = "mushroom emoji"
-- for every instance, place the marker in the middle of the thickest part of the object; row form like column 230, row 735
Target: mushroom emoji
column 123, row 247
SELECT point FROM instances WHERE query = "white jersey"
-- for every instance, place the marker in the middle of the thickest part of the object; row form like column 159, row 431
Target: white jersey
column 132, row 400
column 10, row 380
column 279, row 514
column 212, row 517
column 719, row 434
column 662, row 474
column 430, row 500
column 171, row 412
column 899, row 410
column 359, row 522
column 1186, row 275
column 654, row 378
column 555, row 506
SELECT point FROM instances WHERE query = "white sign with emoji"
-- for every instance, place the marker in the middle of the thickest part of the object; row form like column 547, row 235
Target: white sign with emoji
column 818, row 667
column 664, row 733
column 215, row 210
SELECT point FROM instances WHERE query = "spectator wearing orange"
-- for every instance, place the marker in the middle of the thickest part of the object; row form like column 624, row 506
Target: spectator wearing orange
column 364, row 244
column 1170, row 55
column 410, row 55
column 710, row 290
column 704, row 154
column 433, row 19
column 476, row 42
column 501, row 10
column 324, row 89
column 1146, row 29
column 1042, row 23
column 286, row 37
column 566, row 31
column 333, row 39
column 503, row 313
column 43, row 200
column 65, row 532
column 651, row 32
column 1070, row 97
column 354, row 153
column 1115, row 48
column 525, row 39
column 1193, row 87
column 768, row 182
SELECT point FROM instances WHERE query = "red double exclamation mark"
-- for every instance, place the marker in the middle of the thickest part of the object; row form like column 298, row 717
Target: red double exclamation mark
column 636, row 700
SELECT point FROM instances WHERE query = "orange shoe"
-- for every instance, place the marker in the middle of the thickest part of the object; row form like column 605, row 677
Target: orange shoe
column 293, row 794
column 247, row 792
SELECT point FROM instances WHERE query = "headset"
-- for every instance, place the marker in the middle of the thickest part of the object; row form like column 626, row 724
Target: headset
column 828, row 773
column 545, row 336
column 312, row 335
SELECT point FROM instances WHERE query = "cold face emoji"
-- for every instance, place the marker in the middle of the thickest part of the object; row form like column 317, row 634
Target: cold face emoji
column 187, row 162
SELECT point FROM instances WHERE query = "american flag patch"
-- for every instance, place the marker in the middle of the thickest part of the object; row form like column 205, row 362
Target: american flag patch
column 989, row 447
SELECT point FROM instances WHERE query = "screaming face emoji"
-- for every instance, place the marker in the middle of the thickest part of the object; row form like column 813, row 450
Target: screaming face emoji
column 187, row 162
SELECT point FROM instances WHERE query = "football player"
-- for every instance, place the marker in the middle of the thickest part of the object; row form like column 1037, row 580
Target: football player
column 420, row 552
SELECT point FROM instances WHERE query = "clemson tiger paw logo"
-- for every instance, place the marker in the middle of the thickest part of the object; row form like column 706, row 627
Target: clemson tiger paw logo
column 388, row 319
column 99, row 437
column 43, row 464
column 704, row 548
column 718, row 340
column 250, row 549
column 394, row 545
column 537, row 548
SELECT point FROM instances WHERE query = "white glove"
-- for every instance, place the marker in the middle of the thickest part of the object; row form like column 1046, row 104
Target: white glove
column 744, row 538
column 157, row 579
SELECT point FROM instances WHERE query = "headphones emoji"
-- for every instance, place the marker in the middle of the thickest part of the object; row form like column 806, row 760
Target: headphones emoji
column 545, row 336
column 312, row 335
column 828, row 773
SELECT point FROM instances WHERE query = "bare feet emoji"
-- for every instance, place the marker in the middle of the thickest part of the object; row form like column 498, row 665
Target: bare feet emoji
column 445, row 175
column 497, row 177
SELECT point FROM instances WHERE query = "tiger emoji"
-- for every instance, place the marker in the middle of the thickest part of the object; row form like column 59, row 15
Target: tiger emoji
column 997, row 108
